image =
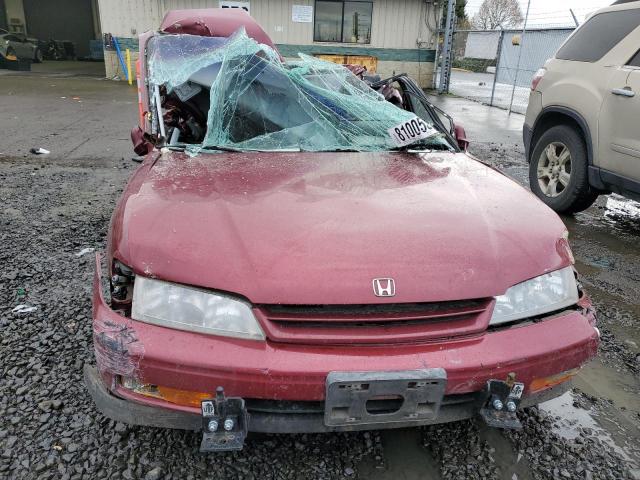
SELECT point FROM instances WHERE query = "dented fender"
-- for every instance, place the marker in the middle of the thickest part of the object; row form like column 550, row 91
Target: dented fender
column 117, row 348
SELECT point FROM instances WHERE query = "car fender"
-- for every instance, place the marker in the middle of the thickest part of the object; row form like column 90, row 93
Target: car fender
column 552, row 115
column 547, row 113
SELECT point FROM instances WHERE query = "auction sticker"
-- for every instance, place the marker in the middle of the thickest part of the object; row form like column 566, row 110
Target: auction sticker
column 208, row 409
column 411, row 130
column 517, row 390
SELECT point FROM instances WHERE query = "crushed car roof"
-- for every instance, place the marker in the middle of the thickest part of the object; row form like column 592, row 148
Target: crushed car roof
column 214, row 22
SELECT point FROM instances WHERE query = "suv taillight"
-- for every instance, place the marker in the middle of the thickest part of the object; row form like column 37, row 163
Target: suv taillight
column 537, row 77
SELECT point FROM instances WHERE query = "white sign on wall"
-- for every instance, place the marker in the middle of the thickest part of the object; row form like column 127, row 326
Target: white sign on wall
column 302, row 13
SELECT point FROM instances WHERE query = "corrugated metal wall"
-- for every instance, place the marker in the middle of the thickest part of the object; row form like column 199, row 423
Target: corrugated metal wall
column 537, row 46
column 395, row 23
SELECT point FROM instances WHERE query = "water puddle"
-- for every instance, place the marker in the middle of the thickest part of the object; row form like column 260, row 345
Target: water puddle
column 575, row 418
column 405, row 458
column 513, row 465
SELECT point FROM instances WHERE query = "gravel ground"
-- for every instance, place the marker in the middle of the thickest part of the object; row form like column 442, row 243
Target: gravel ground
column 51, row 211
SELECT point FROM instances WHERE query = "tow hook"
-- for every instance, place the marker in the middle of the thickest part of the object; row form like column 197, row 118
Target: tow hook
column 224, row 423
column 501, row 403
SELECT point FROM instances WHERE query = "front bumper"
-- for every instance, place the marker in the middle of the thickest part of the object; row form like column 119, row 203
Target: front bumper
column 286, row 417
column 293, row 376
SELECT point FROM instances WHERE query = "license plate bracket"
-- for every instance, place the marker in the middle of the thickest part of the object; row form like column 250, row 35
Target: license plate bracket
column 368, row 398
column 505, row 392
column 224, row 423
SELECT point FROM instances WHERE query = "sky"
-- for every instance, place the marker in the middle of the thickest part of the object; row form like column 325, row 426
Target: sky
column 551, row 12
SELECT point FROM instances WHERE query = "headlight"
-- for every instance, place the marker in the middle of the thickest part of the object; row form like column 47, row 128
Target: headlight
column 543, row 294
column 187, row 308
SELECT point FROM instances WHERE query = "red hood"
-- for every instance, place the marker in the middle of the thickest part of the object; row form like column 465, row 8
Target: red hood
column 316, row 228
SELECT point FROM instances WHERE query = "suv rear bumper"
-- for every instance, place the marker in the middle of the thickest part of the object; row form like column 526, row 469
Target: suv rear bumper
column 534, row 109
column 527, row 133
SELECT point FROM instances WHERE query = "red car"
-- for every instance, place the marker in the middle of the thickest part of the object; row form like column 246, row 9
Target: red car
column 306, row 250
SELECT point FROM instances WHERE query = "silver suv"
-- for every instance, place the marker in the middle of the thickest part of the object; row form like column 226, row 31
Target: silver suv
column 582, row 129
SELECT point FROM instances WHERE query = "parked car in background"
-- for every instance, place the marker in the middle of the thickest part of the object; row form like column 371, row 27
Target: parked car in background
column 57, row 49
column 18, row 45
column 582, row 129
column 305, row 251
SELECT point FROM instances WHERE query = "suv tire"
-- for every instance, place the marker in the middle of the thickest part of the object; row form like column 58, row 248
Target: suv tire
column 558, row 171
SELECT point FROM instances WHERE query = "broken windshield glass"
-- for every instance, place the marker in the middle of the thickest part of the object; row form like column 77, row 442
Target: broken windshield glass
column 235, row 94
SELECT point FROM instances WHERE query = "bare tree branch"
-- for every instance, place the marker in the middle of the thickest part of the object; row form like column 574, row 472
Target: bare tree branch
column 498, row 14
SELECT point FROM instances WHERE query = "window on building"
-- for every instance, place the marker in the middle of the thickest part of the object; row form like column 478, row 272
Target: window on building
column 598, row 35
column 342, row 21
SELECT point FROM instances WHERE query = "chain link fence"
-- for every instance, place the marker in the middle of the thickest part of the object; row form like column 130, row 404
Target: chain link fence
column 492, row 67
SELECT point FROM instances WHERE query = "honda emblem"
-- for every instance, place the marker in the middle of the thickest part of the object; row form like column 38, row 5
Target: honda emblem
column 384, row 287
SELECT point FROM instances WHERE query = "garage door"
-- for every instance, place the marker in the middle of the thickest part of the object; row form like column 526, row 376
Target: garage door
column 61, row 20
column 3, row 15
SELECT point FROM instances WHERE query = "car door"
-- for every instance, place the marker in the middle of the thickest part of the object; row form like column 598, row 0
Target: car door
column 619, row 122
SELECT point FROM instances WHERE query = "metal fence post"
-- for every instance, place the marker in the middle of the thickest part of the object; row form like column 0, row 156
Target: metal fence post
column 434, row 78
column 515, row 78
column 495, row 76
column 445, row 72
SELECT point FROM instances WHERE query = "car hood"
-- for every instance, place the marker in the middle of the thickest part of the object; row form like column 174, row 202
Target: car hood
column 317, row 228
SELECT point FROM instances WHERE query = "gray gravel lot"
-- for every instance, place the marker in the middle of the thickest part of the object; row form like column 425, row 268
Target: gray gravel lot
column 52, row 207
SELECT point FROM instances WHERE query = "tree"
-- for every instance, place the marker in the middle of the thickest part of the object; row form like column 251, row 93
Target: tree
column 498, row 14
column 463, row 20
column 460, row 9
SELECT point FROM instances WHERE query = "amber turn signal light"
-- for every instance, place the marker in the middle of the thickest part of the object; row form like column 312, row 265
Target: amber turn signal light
column 538, row 384
column 186, row 398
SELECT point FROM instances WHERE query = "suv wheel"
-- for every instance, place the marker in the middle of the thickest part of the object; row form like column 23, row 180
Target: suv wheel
column 558, row 171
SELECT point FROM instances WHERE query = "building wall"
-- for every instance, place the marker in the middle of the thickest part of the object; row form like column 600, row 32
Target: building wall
column 401, row 39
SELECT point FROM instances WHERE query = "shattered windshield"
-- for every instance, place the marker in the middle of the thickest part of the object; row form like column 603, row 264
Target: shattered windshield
column 235, row 94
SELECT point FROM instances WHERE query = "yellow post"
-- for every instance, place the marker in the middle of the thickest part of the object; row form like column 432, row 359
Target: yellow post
column 129, row 67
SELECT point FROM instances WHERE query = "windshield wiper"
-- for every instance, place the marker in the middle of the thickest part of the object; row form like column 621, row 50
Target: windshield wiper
column 199, row 148
column 426, row 145
column 221, row 148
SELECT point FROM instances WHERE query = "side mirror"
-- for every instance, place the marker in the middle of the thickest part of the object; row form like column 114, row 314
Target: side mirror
column 461, row 137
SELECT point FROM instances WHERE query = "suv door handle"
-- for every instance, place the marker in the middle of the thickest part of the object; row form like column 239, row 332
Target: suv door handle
column 623, row 92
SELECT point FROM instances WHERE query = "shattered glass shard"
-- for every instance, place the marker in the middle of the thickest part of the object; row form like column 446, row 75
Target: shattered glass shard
column 257, row 102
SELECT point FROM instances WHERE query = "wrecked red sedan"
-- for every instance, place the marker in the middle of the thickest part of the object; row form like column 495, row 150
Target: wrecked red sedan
column 307, row 250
